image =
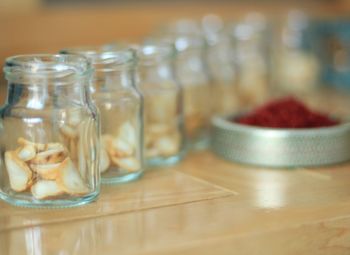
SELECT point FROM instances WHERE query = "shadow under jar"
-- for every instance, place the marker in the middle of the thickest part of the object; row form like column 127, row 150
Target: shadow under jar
column 164, row 130
column 121, row 109
column 49, row 133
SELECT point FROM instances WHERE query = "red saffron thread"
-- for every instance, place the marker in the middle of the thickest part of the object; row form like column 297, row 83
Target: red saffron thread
column 286, row 113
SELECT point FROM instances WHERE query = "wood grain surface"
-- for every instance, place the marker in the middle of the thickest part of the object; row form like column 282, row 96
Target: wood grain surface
column 204, row 205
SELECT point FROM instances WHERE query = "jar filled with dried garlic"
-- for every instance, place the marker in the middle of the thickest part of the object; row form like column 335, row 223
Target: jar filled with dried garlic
column 121, row 109
column 164, row 130
column 191, row 71
column 49, row 133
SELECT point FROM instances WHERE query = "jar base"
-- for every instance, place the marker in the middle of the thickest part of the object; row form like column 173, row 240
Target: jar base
column 199, row 144
column 122, row 179
column 50, row 204
column 164, row 161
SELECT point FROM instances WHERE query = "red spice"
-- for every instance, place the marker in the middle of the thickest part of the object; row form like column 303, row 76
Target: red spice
column 286, row 113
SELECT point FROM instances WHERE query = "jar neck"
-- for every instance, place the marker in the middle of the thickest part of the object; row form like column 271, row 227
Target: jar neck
column 156, row 72
column 38, row 96
column 122, row 78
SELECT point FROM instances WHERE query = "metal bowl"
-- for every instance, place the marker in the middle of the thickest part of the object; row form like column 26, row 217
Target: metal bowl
column 280, row 147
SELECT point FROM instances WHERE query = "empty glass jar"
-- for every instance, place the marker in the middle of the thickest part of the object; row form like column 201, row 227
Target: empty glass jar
column 164, row 130
column 49, row 133
column 121, row 109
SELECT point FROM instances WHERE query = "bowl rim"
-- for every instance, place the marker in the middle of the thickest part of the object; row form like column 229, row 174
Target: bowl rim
column 223, row 122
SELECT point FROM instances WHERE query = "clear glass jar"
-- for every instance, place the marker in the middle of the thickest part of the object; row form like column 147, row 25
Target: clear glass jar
column 49, row 133
column 296, row 63
column 222, row 66
column 164, row 129
column 121, row 109
column 191, row 71
column 251, row 41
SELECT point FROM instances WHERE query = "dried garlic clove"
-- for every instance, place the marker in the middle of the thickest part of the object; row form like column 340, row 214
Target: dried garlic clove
column 47, row 171
column 43, row 189
column 69, row 179
column 121, row 148
column 37, row 146
column 69, row 131
column 104, row 159
column 55, row 146
column 26, row 152
column 49, row 157
column 127, row 133
column 167, row 145
column 130, row 164
column 40, row 146
column 19, row 173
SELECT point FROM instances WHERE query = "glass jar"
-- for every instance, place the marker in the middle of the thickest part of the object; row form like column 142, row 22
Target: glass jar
column 191, row 71
column 121, row 108
column 164, row 130
column 222, row 66
column 49, row 133
column 297, row 65
column 250, row 38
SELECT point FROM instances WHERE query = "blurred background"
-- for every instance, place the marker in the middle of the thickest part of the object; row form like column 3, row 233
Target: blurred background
column 36, row 26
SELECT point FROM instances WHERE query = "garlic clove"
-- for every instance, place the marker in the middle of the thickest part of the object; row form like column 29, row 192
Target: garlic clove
column 69, row 132
column 47, row 171
column 121, row 148
column 167, row 145
column 104, row 159
column 37, row 146
column 69, row 179
column 19, row 173
column 26, row 152
column 49, row 156
column 130, row 164
column 43, row 189
column 40, row 146
column 55, row 146
column 127, row 133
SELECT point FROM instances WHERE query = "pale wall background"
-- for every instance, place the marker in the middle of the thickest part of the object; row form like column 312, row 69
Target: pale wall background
column 30, row 26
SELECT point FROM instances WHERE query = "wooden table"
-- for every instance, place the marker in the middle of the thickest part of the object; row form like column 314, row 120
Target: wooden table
column 202, row 206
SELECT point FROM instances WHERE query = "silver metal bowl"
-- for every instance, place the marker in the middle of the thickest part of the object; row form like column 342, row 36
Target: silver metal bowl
column 280, row 147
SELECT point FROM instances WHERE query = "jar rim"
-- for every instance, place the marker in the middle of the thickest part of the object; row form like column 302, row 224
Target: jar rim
column 57, row 67
column 105, row 59
column 154, row 52
column 185, row 42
